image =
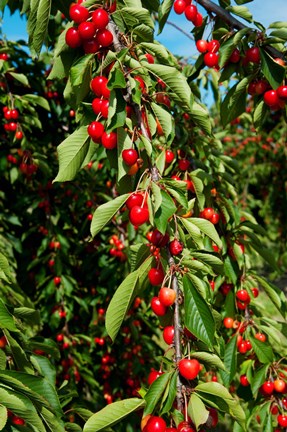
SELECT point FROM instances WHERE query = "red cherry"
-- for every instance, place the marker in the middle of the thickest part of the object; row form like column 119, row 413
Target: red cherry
column 244, row 381
column 168, row 334
column 267, row 388
column 3, row 342
column 242, row 347
column 136, row 199
column 243, row 295
column 198, row 20
column 104, row 38
column 282, row 420
column 260, row 336
column 253, row 55
column 167, row 296
column 169, row 156
column 282, row 92
column 109, row 140
column 60, row 337
column 201, row 45
column 18, row 421
column 87, row 30
column 190, row 12
column 100, row 106
column 155, row 424
column 215, row 218
column 261, row 87
column 271, row 98
column 14, row 114
column 183, row 164
column 78, row 13
column 158, row 239
column 207, row 213
column 255, row 292
column 189, row 368
column 100, row 18
column 96, row 131
column 138, row 215
column 175, row 247
column 184, row 426
column 149, row 58
column 153, row 375
column 91, row 46
column 19, row 135
column 225, row 288
column 228, row 322
column 210, row 59
column 171, row 429
column 280, row 385
column 141, row 82
column 99, row 86
column 156, row 276
column 57, row 280
column 213, row 46
column 12, row 126
column 235, row 56
column 156, row 306
column 213, row 417
column 179, row 6
column 130, row 156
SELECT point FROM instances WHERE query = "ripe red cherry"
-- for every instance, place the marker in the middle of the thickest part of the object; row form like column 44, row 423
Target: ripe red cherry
column 213, row 46
column 244, row 381
column 153, row 375
column 184, row 426
column 96, row 130
column 282, row 420
column 282, row 92
column 141, row 82
column 242, row 347
column 19, row 135
column 260, row 336
column 156, row 306
column 183, row 164
column 207, row 213
column 235, row 56
column 91, row 46
column 210, row 59
column 168, row 334
column 18, row 421
column 167, row 296
column 175, row 247
column 243, row 295
column 149, row 58
column 73, row 38
column 57, row 280
column 136, row 199
column 104, row 38
column 138, row 215
column 198, row 20
column 255, row 292
column 101, row 106
column 189, row 368
column 130, row 156
column 155, row 424
column 261, row 86
column 3, row 342
column 87, row 30
column 271, row 98
column 100, row 18
column 201, row 45
column 109, row 140
column 267, row 388
column 78, row 13
column 179, row 6
column 190, row 12
column 99, row 86
column 228, row 322
column 215, row 218
column 253, row 55
column 158, row 239
column 169, row 156
column 280, row 385
column 156, row 276
column 14, row 114
column 171, row 429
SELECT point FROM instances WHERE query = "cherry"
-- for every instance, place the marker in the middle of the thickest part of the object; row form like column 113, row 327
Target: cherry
column 248, row 344
column 158, row 239
column 213, row 418
column 175, row 247
column 18, row 421
column 225, row 288
column 260, row 336
column 271, row 98
column 167, row 296
column 210, row 59
column 155, row 424
column 242, row 347
column 101, row 106
column 130, row 156
column 261, row 86
column 156, row 306
column 189, row 368
column 267, row 388
column 156, row 276
column 153, row 375
column 171, row 429
column 235, row 56
column 141, row 82
column 19, row 135
column 87, row 30
column 280, row 386
column 169, row 156
column 12, row 126
column 282, row 420
column 138, row 215
column 190, row 12
column 244, row 381
column 73, row 38
column 96, row 131
column 212, row 285
column 104, row 37
column 100, row 18
column 228, row 322
column 282, row 92
column 255, row 292
column 3, row 342
column 168, row 334
column 149, row 58
column 57, row 280
column 14, row 114
column 109, row 140
column 78, row 13
column 184, row 426
column 213, row 46
column 243, row 295
column 183, row 164
column 198, row 20
column 99, row 86
column 4, row 56
column 253, row 55
column 207, row 213
column 136, row 199
column 201, row 46
column 91, row 46
column 179, row 6
column 60, row 337
column 215, row 218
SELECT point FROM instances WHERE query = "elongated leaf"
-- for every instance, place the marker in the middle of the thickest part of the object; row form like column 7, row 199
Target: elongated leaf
column 6, row 319
column 155, row 392
column 197, row 411
column 241, row 11
column 230, row 362
column 201, row 118
column 120, row 304
column 38, row 35
column 171, row 394
column 72, row 152
column 259, row 378
column 209, row 359
column 176, row 82
column 163, row 13
column 112, row 414
column 198, row 317
column 273, row 72
column 166, row 210
column 105, row 212
column 194, row 231
column 20, row 77
column 262, row 350
column 208, row 229
column 234, row 102
column 18, row 354
column 3, row 417
column 44, row 367
column 37, row 100
column 141, row 14
column 164, row 117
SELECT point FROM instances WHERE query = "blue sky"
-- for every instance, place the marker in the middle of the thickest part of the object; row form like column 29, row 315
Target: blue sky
column 264, row 11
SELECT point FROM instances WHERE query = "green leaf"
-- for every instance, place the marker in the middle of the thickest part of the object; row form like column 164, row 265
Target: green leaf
column 208, row 229
column 209, row 359
column 230, row 361
column 200, row 116
column 112, row 414
column 209, row 259
column 20, row 77
column 197, row 314
column 171, row 394
column 164, row 117
column 120, row 304
column 6, row 319
column 72, row 152
column 37, row 100
column 277, row 296
column 262, row 350
column 259, row 378
column 226, row 50
column 5, row 268
column 105, row 212
column 157, row 197
column 234, row 102
column 241, row 2
column 38, row 32
column 174, row 81
column 3, row 416
column 155, row 392
column 163, row 13
column 197, row 411
column 44, row 367
column 166, row 210
column 278, row 24
column 273, row 72
column 216, row 392
column 18, row 354
column 141, row 14
column 194, row 231
column 241, row 11
column 80, row 77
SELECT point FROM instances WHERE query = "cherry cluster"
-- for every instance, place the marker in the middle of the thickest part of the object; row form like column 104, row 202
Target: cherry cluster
column 117, row 249
column 137, row 205
column 12, row 125
column 210, row 50
column 91, row 32
column 190, row 11
column 210, row 214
